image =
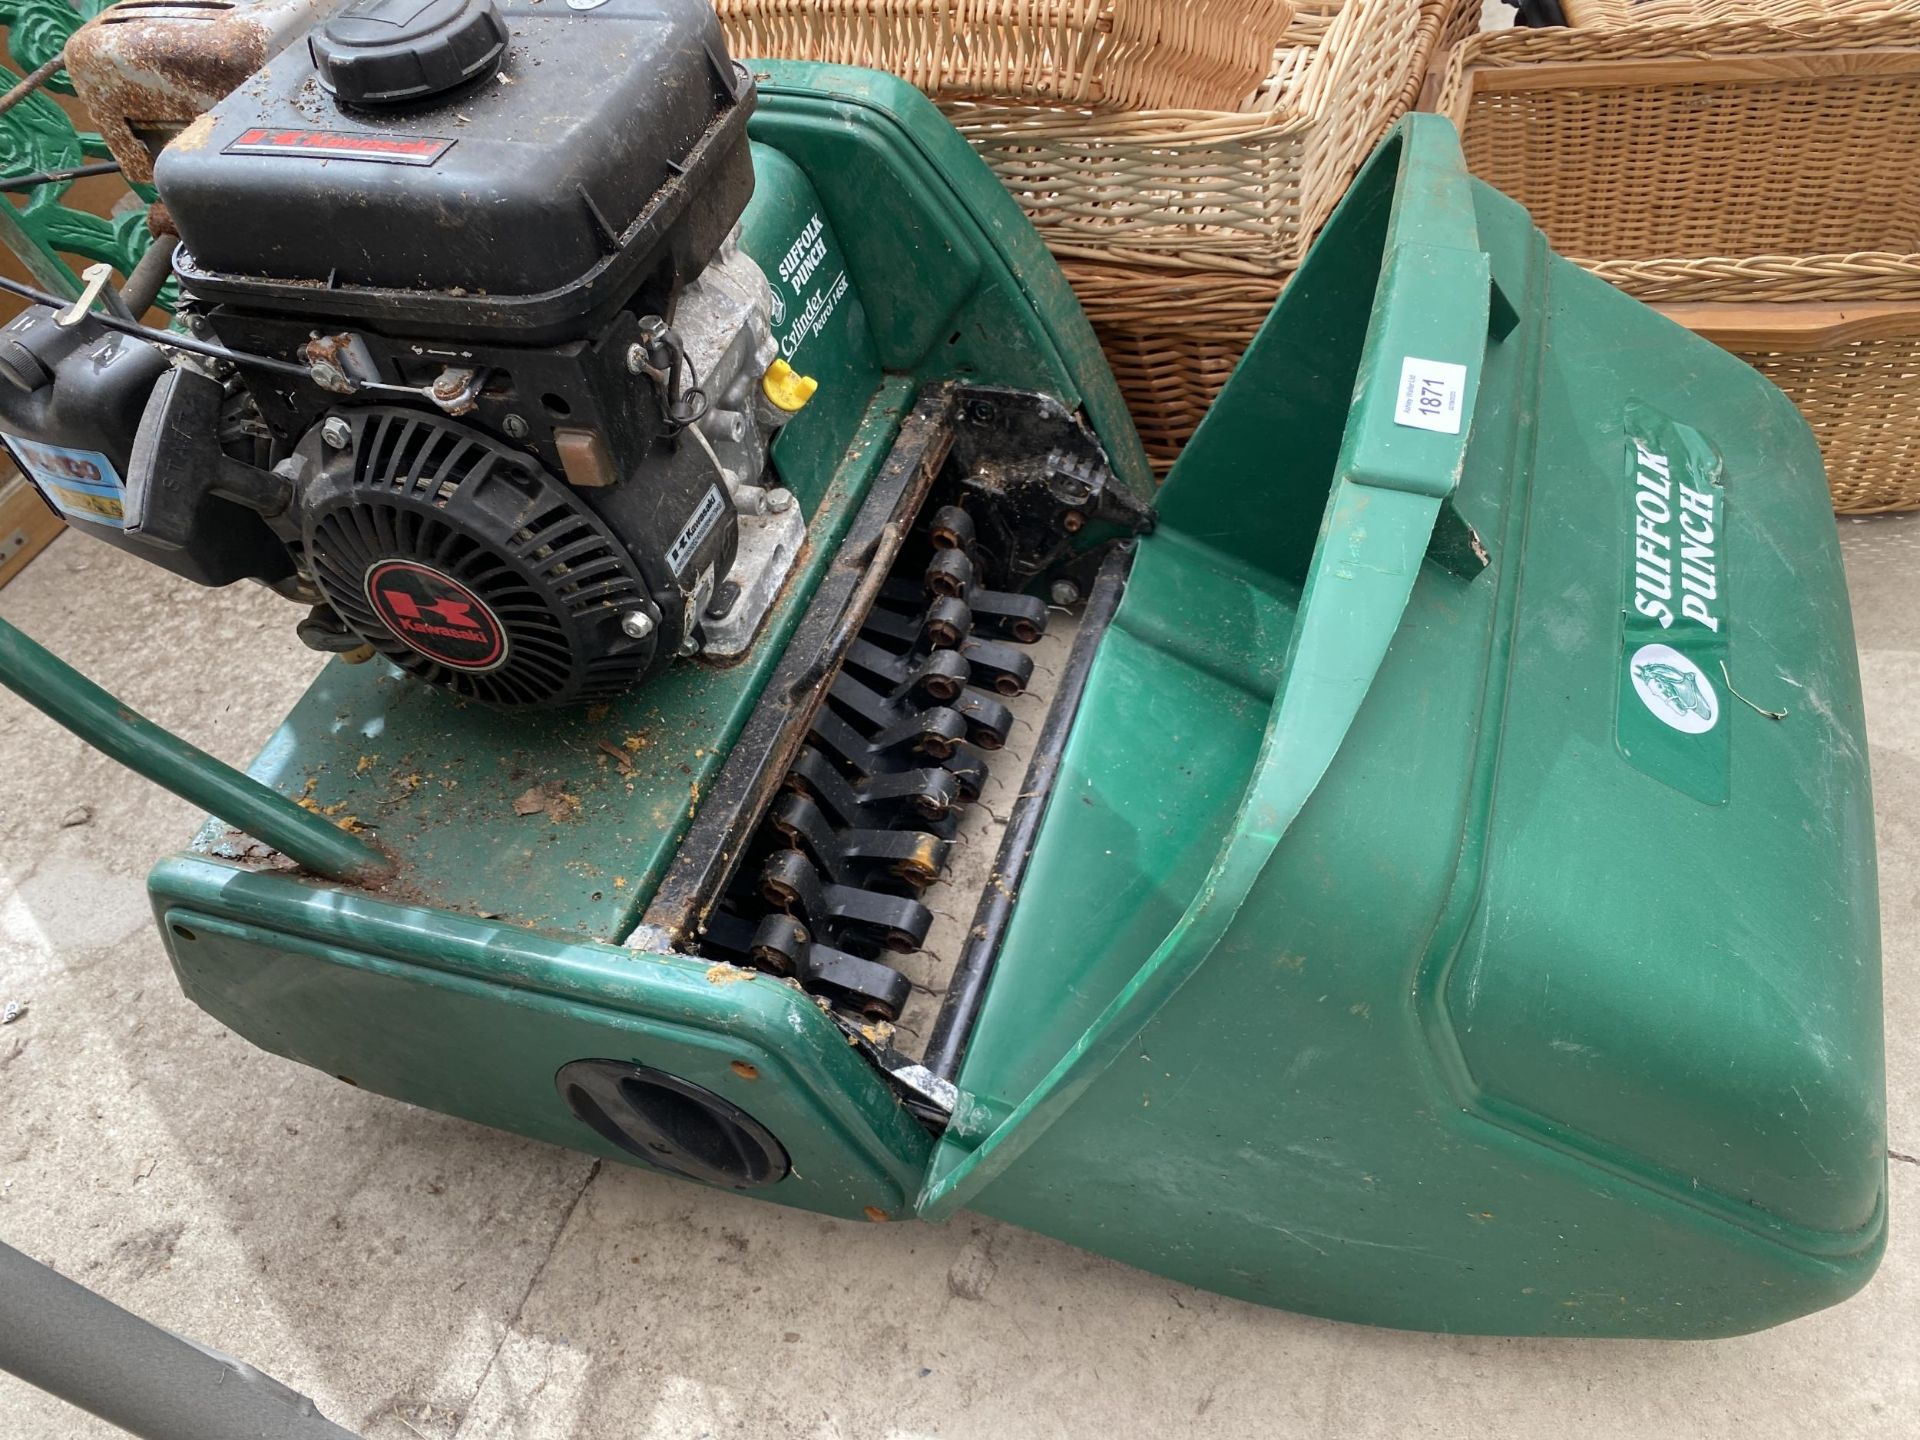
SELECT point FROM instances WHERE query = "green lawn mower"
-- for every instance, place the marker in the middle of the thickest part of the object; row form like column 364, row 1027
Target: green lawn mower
column 1414, row 866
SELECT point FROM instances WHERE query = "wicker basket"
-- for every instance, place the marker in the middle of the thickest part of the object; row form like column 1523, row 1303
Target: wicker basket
column 1749, row 166
column 1854, row 372
column 1592, row 14
column 1242, row 191
column 1756, row 151
column 1103, row 54
column 1173, row 332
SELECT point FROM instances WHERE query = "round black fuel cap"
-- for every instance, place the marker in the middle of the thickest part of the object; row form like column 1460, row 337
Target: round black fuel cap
column 394, row 52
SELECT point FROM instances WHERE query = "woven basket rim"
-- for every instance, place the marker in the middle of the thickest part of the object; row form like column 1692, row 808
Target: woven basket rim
column 1231, row 191
column 1705, row 41
column 1108, row 55
column 1294, row 104
column 1872, row 28
column 1764, row 279
column 1620, row 14
column 1858, row 262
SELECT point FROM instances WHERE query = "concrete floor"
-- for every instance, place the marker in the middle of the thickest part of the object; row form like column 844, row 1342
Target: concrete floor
column 421, row 1277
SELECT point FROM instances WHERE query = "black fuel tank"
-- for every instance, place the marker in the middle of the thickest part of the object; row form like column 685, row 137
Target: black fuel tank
column 408, row 170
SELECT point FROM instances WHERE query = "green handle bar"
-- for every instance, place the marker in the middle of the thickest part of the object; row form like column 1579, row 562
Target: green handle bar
column 48, row 683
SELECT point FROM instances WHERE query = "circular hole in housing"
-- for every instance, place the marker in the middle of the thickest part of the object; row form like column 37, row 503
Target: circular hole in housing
column 672, row 1123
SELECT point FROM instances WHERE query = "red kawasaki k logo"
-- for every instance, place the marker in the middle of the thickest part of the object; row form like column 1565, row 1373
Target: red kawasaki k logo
column 337, row 145
column 435, row 615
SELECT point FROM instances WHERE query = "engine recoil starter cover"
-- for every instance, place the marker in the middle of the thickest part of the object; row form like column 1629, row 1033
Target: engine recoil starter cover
column 467, row 565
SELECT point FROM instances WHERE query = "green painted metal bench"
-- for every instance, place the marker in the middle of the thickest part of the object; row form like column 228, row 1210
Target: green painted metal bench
column 37, row 134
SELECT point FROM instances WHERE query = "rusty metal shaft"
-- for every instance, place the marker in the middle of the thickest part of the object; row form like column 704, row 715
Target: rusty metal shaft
column 32, row 82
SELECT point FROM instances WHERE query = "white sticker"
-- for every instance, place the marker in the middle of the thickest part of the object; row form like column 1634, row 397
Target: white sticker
column 1675, row 689
column 1431, row 394
column 83, row 483
column 699, row 525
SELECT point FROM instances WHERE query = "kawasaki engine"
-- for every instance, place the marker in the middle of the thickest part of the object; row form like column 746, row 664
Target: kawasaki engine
column 471, row 363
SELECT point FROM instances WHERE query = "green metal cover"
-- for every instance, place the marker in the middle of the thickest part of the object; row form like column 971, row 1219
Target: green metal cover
column 1416, row 980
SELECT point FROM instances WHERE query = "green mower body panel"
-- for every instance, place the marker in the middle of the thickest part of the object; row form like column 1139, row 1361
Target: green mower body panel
column 1455, row 907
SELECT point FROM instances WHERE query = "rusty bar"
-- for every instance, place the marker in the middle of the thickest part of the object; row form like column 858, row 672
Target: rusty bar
column 32, row 82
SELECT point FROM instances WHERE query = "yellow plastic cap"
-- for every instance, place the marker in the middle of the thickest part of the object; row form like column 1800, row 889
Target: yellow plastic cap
column 787, row 387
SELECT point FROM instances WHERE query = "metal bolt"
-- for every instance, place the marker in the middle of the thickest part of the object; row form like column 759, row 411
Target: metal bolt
column 1065, row 592
column 779, row 501
column 330, row 377
column 637, row 624
column 515, row 426
column 336, row 433
column 653, row 330
column 1072, row 521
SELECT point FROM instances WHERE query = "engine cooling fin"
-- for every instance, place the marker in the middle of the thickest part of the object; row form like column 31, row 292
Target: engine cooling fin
column 469, row 567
